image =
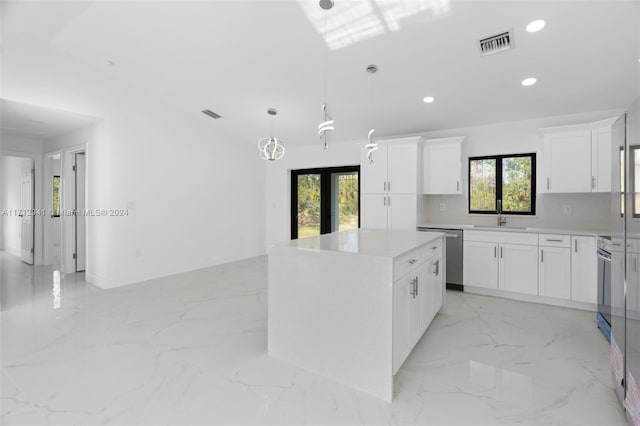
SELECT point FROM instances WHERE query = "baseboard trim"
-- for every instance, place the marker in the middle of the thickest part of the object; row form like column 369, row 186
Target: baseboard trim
column 531, row 298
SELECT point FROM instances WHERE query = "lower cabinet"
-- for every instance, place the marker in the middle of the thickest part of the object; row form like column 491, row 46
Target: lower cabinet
column 559, row 266
column 501, row 261
column 417, row 297
column 555, row 272
column 584, row 269
column 518, row 268
column 480, row 267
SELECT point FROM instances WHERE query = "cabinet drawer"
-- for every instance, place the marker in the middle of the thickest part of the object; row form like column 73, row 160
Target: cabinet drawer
column 410, row 261
column 554, row 240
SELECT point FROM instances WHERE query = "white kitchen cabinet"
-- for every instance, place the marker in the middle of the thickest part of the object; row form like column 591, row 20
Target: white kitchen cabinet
column 577, row 158
column 373, row 211
column 480, row 268
column 567, row 161
column 394, row 169
column 584, row 261
column 417, row 296
column 554, row 273
column 501, row 261
column 437, row 283
column 392, row 212
column 442, row 166
column 518, row 268
column 601, row 159
column 389, row 186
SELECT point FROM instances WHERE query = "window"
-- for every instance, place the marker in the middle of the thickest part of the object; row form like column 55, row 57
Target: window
column 56, row 197
column 324, row 200
column 508, row 181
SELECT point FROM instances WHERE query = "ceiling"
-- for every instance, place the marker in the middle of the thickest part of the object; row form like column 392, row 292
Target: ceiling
column 239, row 58
column 36, row 122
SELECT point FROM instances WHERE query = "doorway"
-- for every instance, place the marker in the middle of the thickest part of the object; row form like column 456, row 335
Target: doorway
column 80, row 253
column 324, row 200
column 18, row 215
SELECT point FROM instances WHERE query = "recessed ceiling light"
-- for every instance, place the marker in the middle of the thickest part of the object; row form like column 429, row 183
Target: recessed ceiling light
column 535, row 26
column 428, row 99
column 529, row 81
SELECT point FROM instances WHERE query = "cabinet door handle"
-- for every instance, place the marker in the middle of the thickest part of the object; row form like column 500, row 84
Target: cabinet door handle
column 593, row 182
column 547, row 183
column 495, row 251
column 500, row 252
column 388, row 201
column 541, row 256
column 575, row 245
column 554, row 241
column 416, row 286
column 457, row 186
column 635, row 264
column 436, row 268
column 389, row 186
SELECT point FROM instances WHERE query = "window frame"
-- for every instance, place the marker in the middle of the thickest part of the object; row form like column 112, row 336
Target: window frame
column 325, row 195
column 498, row 159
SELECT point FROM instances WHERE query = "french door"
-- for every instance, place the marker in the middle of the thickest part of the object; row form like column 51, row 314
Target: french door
column 324, row 200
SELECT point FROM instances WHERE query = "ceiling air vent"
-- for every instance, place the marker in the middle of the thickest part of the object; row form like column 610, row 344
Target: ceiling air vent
column 211, row 114
column 496, row 43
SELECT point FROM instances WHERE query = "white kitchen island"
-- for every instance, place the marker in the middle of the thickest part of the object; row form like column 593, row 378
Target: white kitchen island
column 352, row 305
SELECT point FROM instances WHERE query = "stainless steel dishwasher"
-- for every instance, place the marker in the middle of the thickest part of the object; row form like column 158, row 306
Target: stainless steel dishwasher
column 453, row 257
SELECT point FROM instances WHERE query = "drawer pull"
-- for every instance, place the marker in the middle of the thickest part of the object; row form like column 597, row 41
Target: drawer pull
column 554, row 240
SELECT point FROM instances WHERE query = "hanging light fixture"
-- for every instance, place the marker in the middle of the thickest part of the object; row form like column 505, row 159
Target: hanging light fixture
column 326, row 125
column 271, row 148
column 372, row 146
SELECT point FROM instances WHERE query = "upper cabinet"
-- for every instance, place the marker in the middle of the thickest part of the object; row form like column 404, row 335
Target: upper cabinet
column 394, row 169
column 442, row 166
column 577, row 158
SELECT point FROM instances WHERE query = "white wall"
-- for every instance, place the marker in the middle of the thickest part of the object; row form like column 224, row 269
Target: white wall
column 588, row 210
column 195, row 194
column 12, row 185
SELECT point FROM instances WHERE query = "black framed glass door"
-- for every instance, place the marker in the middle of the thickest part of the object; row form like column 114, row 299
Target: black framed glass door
column 324, row 200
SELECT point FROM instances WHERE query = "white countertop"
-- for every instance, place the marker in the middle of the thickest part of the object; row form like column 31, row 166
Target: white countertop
column 507, row 228
column 367, row 242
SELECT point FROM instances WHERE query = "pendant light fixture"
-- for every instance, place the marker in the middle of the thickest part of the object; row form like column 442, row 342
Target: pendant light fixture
column 271, row 148
column 326, row 125
column 372, row 146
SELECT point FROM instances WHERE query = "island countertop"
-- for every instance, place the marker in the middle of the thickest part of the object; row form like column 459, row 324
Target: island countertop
column 370, row 242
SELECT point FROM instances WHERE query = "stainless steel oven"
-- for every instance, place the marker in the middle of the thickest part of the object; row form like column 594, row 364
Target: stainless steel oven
column 604, row 286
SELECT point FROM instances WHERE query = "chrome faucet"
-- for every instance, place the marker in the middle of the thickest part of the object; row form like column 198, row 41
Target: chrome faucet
column 501, row 219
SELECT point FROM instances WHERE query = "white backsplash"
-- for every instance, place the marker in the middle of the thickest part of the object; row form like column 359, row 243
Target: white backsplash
column 588, row 212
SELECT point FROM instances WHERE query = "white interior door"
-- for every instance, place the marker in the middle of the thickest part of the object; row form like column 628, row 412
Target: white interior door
column 26, row 213
column 81, row 228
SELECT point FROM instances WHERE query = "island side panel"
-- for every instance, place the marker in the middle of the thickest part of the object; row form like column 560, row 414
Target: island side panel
column 331, row 313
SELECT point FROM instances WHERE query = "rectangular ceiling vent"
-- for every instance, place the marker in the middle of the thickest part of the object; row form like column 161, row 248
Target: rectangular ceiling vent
column 211, row 114
column 496, row 43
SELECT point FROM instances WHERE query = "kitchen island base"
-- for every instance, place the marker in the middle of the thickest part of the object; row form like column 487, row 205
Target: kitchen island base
column 351, row 305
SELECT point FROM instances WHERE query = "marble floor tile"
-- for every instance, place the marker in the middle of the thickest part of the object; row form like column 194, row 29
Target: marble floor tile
column 191, row 349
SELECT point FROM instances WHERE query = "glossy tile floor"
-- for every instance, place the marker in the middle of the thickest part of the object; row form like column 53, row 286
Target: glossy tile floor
column 191, row 349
